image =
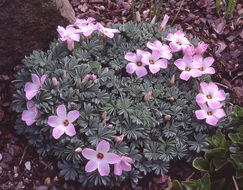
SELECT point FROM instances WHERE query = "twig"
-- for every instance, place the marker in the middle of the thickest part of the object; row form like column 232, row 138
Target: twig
column 222, row 85
column 23, row 155
column 236, row 186
column 190, row 176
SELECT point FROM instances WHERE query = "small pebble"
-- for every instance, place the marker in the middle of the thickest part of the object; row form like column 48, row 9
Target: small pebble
column 1, row 170
column 47, row 181
column 27, row 165
column 1, row 157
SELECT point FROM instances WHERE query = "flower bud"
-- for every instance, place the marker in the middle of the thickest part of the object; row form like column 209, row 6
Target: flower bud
column 172, row 99
column 73, row 104
column 201, row 48
column 54, row 81
column 153, row 21
column 119, row 138
column 147, row 96
column 172, row 80
column 64, row 74
column 110, row 126
column 104, row 116
column 189, row 50
column 79, row 149
column 164, row 22
column 93, row 76
column 86, row 78
column 138, row 17
column 167, row 117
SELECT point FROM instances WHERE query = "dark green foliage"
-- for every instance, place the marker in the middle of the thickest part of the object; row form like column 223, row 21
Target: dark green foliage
column 150, row 140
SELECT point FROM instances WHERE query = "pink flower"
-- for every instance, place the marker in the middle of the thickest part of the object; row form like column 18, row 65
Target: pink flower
column 31, row 114
column 119, row 138
column 178, row 41
column 211, row 115
column 123, row 165
column 153, row 61
column 138, row 17
column 110, row 126
column 201, row 48
column 204, row 64
column 210, row 94
column 93, row 76
column 164, row 49
column 34, row 87
column 189, row 67
column 69, row 35
column 100, row 158
column 147, row 96
column 164, row 22
column 189, row 50
column 136, row 65
column 109, row 32
column 85, row 79
column 83, row 22
column 88, row 29
column 54, row 81
column 62, row 123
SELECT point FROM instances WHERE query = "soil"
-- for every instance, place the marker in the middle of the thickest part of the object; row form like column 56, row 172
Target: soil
column 22, row 168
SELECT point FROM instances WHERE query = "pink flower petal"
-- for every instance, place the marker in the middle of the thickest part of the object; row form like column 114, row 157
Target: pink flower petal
column 156, row 54
column 54, row 121
column 154, row 68
column 187, row 59
column 31, row 90
column 174, row 47
column 61, row 30
column 212, row 120
column 219, row 113
column 195, row 73
column 179, row 63
column 201, row 98
column 219, row 95
column 75, row 37
column 89, row 154
column 170, row 37
column 70, row 130
column 117, row 169
column 61, row 111
column 162, row 63
column 43, row 78
column 35, row 79
column 112, row 158
column 58, row 132
column 72, row 115
column 185, row 75
column 212, row 86
column 92, row 165
column 209, row 70
column 126, row 166
column 103, row 147
column 201, row 114
column 29, row 117
column 70, row 44
column 213, row 104
column 131, row 67
column 131, row 57
column 207, row 62
column 103, row 168
column 141, row 71
column 204, row 88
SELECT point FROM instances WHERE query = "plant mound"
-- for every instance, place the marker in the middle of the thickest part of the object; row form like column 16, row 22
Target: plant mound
column 84, row 107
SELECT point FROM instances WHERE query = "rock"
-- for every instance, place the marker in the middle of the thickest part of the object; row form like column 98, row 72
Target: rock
column 41, row 187
column 1, row 157
column 28, row 25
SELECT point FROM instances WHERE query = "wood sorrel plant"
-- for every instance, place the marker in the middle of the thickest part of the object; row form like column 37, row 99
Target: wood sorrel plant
column 116, row 104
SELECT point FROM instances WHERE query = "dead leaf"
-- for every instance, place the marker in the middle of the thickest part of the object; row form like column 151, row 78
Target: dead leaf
column 220, row 47
column 218, row 25
column 83, row 8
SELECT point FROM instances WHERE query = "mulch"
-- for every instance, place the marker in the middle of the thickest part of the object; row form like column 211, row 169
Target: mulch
column 197, row 18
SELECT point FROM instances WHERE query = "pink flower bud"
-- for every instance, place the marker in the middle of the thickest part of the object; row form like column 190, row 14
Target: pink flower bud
column 147, row 96
column 73, row 103
column 167, row 117
column 79, row 149
column 110, row 126
column 189, row 50
column 119, row 138
column 86, row 78
column 64, row 74
column 138, row 17
column 54, row 81
column 201, row 48
column 172, row 80
column 153, row 20
column 164, row 22
column 93, row 76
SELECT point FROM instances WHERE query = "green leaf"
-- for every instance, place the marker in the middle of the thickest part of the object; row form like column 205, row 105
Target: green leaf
column 176, row 185
column 218, row 184
column 201, row 164
column 205, row 182
column 219, row 163
column 238, row 159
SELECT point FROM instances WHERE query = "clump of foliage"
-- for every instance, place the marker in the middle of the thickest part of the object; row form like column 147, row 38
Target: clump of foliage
column 84, row 107
column 222, row 161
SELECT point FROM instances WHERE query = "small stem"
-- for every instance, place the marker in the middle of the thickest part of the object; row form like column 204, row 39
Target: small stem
column 158, row 10
column 177, row 12
column 140, row 6
column 236, row 186
column 151, row 5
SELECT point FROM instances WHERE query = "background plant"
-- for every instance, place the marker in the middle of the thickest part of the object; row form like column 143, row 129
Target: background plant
column 156, row 131
column 222, row 161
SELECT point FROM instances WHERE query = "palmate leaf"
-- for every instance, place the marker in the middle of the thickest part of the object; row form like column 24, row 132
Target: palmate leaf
column 67, row 170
